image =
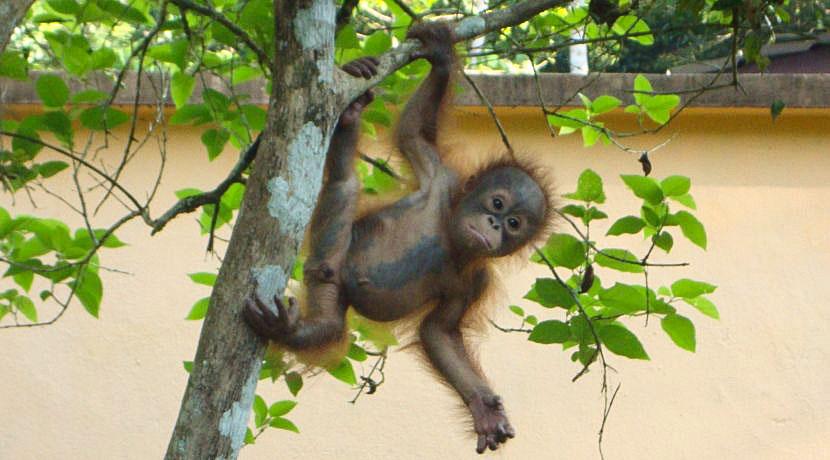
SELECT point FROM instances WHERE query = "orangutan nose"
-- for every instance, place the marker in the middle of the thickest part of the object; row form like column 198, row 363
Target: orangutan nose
column 493, row 222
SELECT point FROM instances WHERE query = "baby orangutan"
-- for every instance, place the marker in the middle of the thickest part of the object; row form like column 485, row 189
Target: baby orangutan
column 429, row 249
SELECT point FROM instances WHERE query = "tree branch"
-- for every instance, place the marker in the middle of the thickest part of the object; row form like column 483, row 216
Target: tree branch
column 13, row 12
column 192, row 203
column 349, row 87
column 235, row 29
column 344, row 14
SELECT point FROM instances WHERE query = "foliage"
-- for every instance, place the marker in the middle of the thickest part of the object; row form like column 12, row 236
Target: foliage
column 595, row 311
column 209, row 59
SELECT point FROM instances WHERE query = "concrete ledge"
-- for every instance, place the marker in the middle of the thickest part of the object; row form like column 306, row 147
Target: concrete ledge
column 796, row 90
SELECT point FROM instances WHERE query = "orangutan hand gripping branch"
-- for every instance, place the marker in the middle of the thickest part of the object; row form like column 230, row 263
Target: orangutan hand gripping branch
column 430, row 249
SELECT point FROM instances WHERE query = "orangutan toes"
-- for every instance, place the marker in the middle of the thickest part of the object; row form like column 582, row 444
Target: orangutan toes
column 490, row 422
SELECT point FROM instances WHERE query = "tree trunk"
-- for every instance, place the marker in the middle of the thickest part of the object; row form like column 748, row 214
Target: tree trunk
column 279, row 200
column 306, row 99
column 12, row 11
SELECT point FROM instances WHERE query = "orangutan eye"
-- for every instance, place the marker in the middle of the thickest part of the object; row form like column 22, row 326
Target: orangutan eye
column 513, row 223
column 497, row 204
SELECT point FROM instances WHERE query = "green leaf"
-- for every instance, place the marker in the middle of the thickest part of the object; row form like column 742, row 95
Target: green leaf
column 50, row 168
column 205, row 278
column 588, row 188
column 692, row 228
column 188, row 366
column 659, row 116
column 216, row 101
column 102, row 118
column 575, row 118
column 623, row 298
column 89, row 96
column 377, row 43
column 284, row 424
column 590, row 135
column 294, row 381
column 705, row 306
column 32, row 247
column 675, row 185
column 297, row 269
column 181, row 87
column 186, row 192
column 689, row 289
column 6, row 222
column 344, row 372
column 610, row 258
column 661, row 102
column 13, row 65
column 84, row 241
column 564, row 250
column 52, row 90
column 191, row 113
column 59, row 124
column 627, row 224
column 103, row 58
column 550, row 293
column 174, row 52
column 630, row 25
column 199, row 309
column 685, row 200
column 347, row 38
column 586, row 101
column 551, row 331
column 644, row 187
column 641, row 86
column 604, row 104
column 357, row 353
column 89, row 291
column 244, row 74
column 24, row 146
column 260, row 410
column 681, row 330
column 517, row 310
column 25, row 305
column 70, row 7
column 122, row 11
column 76, row 56
column 574, row 210
column 619, row 340
column 281, row 408
column 650, row 216
column 402, row 20
column 663, row 241
column 776, row 108
column 24, row 279
column 215, row 140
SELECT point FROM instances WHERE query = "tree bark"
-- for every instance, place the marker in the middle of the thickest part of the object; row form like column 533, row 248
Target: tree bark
column 12, row 11
column 280, row 197
column 307, row 97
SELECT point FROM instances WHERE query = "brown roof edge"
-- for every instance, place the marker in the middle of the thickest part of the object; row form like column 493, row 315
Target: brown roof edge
column 759, row 90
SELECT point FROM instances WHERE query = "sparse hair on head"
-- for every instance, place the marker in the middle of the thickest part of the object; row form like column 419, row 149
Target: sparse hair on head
column 539, row 174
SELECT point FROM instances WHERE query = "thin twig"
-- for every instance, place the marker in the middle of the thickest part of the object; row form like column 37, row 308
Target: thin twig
column 262, row 56
column 611, row 256
column 406, row 9
column 344, row 14
column 191, row 203
column 493, row 115
column 80, row 160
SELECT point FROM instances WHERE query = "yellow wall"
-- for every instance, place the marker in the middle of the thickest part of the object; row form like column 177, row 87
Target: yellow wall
column 756, row 388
